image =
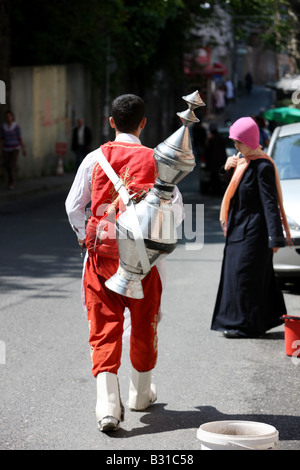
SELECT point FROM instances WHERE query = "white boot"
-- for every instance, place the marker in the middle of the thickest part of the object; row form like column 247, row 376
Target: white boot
column 142, row 393
column 109, row 408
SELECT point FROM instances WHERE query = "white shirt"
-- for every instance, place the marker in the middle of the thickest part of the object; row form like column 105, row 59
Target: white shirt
column 229, row 89
column 80, row 135
column 80, row 193
column 220, row 98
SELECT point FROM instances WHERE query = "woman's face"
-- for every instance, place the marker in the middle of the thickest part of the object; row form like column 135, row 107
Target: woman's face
column 244, row 149
column 9, row 118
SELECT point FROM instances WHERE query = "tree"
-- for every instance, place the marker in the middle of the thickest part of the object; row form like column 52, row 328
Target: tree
column 140, row 35
column 269, row 20
column 295, row 42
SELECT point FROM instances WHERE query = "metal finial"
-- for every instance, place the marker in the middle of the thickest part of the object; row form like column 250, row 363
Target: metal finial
column 193, row 101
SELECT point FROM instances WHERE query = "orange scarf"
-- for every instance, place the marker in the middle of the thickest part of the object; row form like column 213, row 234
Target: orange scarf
column 240, row 169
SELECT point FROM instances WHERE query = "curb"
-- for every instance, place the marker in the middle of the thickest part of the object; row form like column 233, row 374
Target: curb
column 30, row 188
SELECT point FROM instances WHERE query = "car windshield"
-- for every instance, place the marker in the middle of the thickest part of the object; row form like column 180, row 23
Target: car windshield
column 287, row 156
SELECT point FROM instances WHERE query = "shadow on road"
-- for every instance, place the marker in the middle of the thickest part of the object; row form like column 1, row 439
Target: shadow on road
column 158, row 419
column 37, row 243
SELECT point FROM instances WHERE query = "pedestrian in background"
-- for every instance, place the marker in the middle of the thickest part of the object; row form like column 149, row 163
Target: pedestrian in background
column 229, row 96
column 248, row 82
column 10, row 142
column 215, row 157
column 81, row 141
column 264, row 137
column 198, row 137
column 249, row 301
column 220, row 99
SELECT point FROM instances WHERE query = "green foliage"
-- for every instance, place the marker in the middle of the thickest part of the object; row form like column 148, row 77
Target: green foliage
column 138, row 36
column 269, row 20
column 131, row 31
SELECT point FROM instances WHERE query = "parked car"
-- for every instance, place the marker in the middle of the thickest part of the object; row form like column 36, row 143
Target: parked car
column 284, row 148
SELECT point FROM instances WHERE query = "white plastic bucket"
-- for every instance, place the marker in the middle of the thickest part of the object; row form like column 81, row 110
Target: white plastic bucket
column 237, row 435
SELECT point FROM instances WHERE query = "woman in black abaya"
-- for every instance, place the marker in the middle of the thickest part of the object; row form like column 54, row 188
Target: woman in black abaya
column 249, row 302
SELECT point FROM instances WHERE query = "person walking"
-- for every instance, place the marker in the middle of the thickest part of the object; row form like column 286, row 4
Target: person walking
column 10, row 142
column 248, row 82
column 264, row 137
column 135, row 164
column 215, row 157
column 81, row 141
column 249, row 302
column 198, row 136
column 229, row 96
column 220, row 99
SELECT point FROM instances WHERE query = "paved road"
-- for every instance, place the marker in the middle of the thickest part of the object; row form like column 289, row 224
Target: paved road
column 47, row 390
column 46, row 387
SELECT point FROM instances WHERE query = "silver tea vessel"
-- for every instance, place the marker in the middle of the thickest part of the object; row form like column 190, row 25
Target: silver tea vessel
column 155, row 215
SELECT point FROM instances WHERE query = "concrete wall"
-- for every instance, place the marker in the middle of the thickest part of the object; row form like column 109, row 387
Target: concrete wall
column 50, row 122
column 261, row 63
column 21, row 105
column 46, row 102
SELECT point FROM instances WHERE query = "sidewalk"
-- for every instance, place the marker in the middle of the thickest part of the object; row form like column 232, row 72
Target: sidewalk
column 32, row 187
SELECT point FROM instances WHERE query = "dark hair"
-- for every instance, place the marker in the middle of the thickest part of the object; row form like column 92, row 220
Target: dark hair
column 8, row 111
column 260, row 121
column 127, row 111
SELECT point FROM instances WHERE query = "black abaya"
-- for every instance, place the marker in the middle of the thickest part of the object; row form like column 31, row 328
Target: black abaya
column 249, row 302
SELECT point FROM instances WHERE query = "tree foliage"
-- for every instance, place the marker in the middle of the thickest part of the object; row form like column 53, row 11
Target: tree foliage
column 139, row 37
column 269, row 20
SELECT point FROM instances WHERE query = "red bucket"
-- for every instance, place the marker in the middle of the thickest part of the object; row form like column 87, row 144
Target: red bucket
column 292, row 335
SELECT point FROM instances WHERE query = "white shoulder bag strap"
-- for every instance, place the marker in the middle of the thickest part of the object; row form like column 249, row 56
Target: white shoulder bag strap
column 120, row 188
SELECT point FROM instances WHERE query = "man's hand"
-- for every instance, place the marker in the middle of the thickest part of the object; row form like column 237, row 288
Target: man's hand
column 81, row 243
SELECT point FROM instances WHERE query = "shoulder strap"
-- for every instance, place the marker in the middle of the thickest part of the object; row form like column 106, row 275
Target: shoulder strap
column 130, row 207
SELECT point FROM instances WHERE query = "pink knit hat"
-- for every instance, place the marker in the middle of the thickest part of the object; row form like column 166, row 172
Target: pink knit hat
column 245, row 130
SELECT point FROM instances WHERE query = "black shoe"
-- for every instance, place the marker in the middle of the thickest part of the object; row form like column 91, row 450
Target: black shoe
column 232, row 334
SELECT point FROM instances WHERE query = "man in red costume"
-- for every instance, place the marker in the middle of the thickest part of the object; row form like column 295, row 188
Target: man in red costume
column 135, row 165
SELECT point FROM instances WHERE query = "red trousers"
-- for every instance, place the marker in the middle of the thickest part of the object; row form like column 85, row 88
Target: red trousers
column 105, row 315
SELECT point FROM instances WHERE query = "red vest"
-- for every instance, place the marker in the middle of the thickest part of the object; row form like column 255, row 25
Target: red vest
column 135, row 165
